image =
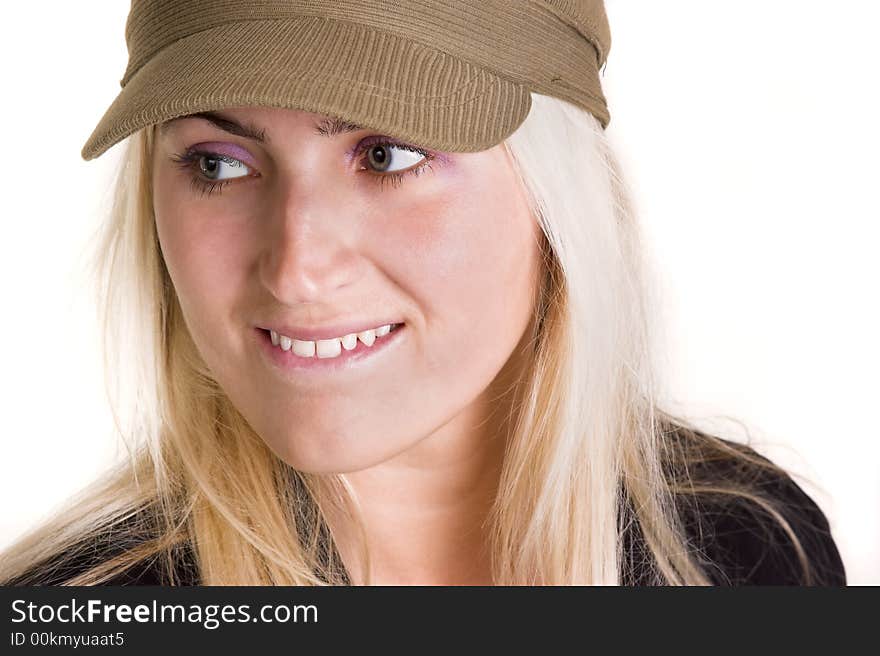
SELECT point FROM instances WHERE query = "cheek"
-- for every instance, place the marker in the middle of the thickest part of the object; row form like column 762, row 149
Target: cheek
column 467, row 257
column 204, row 250
column 469, row 262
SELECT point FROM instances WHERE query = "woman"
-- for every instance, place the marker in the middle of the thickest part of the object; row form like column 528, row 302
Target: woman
column 379, row 301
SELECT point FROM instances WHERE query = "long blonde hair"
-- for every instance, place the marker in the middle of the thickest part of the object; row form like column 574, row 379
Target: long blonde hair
column 589, row 452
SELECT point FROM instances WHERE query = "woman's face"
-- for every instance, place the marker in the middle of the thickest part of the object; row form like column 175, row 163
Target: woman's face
column 308, row 232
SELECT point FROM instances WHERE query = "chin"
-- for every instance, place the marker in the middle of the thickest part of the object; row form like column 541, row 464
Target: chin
column 327, row 454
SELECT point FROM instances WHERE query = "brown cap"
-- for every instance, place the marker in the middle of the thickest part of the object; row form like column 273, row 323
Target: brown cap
column 450, row 75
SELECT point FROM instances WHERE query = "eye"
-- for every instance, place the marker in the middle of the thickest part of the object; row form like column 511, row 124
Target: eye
column 210, row 172
column 392, row 158
column 392, row 162
column 212, row 166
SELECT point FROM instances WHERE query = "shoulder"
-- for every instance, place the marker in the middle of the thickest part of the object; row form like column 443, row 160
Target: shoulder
column 751, row 524
column 95, row 551
column 66, row 567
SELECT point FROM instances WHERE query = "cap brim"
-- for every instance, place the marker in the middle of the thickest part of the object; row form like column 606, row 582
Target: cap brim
column 376, row 79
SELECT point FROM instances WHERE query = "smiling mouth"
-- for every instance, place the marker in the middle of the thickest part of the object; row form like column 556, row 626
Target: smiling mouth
column 328, row 355
column 332, row 347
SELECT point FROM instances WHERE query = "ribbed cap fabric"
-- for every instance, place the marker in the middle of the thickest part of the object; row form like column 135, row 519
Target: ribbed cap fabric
column 450, row 75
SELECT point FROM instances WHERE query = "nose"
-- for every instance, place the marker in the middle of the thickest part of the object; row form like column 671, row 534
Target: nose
column 308, row 251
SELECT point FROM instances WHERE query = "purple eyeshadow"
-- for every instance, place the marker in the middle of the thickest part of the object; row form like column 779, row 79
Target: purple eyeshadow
column 227, row 149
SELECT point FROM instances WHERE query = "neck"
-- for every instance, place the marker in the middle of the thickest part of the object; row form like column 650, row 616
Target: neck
column 424, row 511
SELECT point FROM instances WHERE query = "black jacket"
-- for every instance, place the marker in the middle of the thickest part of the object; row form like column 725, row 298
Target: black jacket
column 733, row 538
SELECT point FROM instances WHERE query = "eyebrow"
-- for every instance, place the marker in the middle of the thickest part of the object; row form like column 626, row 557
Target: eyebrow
column 326, row 127
column 330, row 127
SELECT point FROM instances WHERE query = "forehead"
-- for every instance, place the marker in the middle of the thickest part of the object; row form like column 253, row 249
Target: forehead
column 250, row 122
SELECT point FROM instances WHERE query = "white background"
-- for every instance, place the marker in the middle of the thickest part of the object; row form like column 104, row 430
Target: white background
column 749, row 133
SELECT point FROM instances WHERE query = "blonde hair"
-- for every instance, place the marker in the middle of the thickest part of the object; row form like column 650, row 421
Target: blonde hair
column 589, row 452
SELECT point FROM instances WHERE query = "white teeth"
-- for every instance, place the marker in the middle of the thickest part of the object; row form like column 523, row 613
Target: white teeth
column 328, row 348
column 303, row 349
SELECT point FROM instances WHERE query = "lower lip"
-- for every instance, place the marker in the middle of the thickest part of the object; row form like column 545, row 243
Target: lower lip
column 357, row 358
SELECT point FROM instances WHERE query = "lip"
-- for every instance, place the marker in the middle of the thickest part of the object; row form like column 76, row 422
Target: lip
column 326, row 332
column 287, row 362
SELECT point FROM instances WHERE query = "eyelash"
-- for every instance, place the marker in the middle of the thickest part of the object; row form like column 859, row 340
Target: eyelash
column 190, row 159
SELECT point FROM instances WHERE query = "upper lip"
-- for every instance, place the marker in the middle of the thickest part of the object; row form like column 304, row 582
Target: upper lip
column 313, row 334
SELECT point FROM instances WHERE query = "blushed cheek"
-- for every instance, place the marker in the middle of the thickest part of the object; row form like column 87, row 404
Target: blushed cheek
column 464, row 255
column 201, row 271
column 170, row 224
column 495, row 268
column 448, row 231
column 199, row 242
